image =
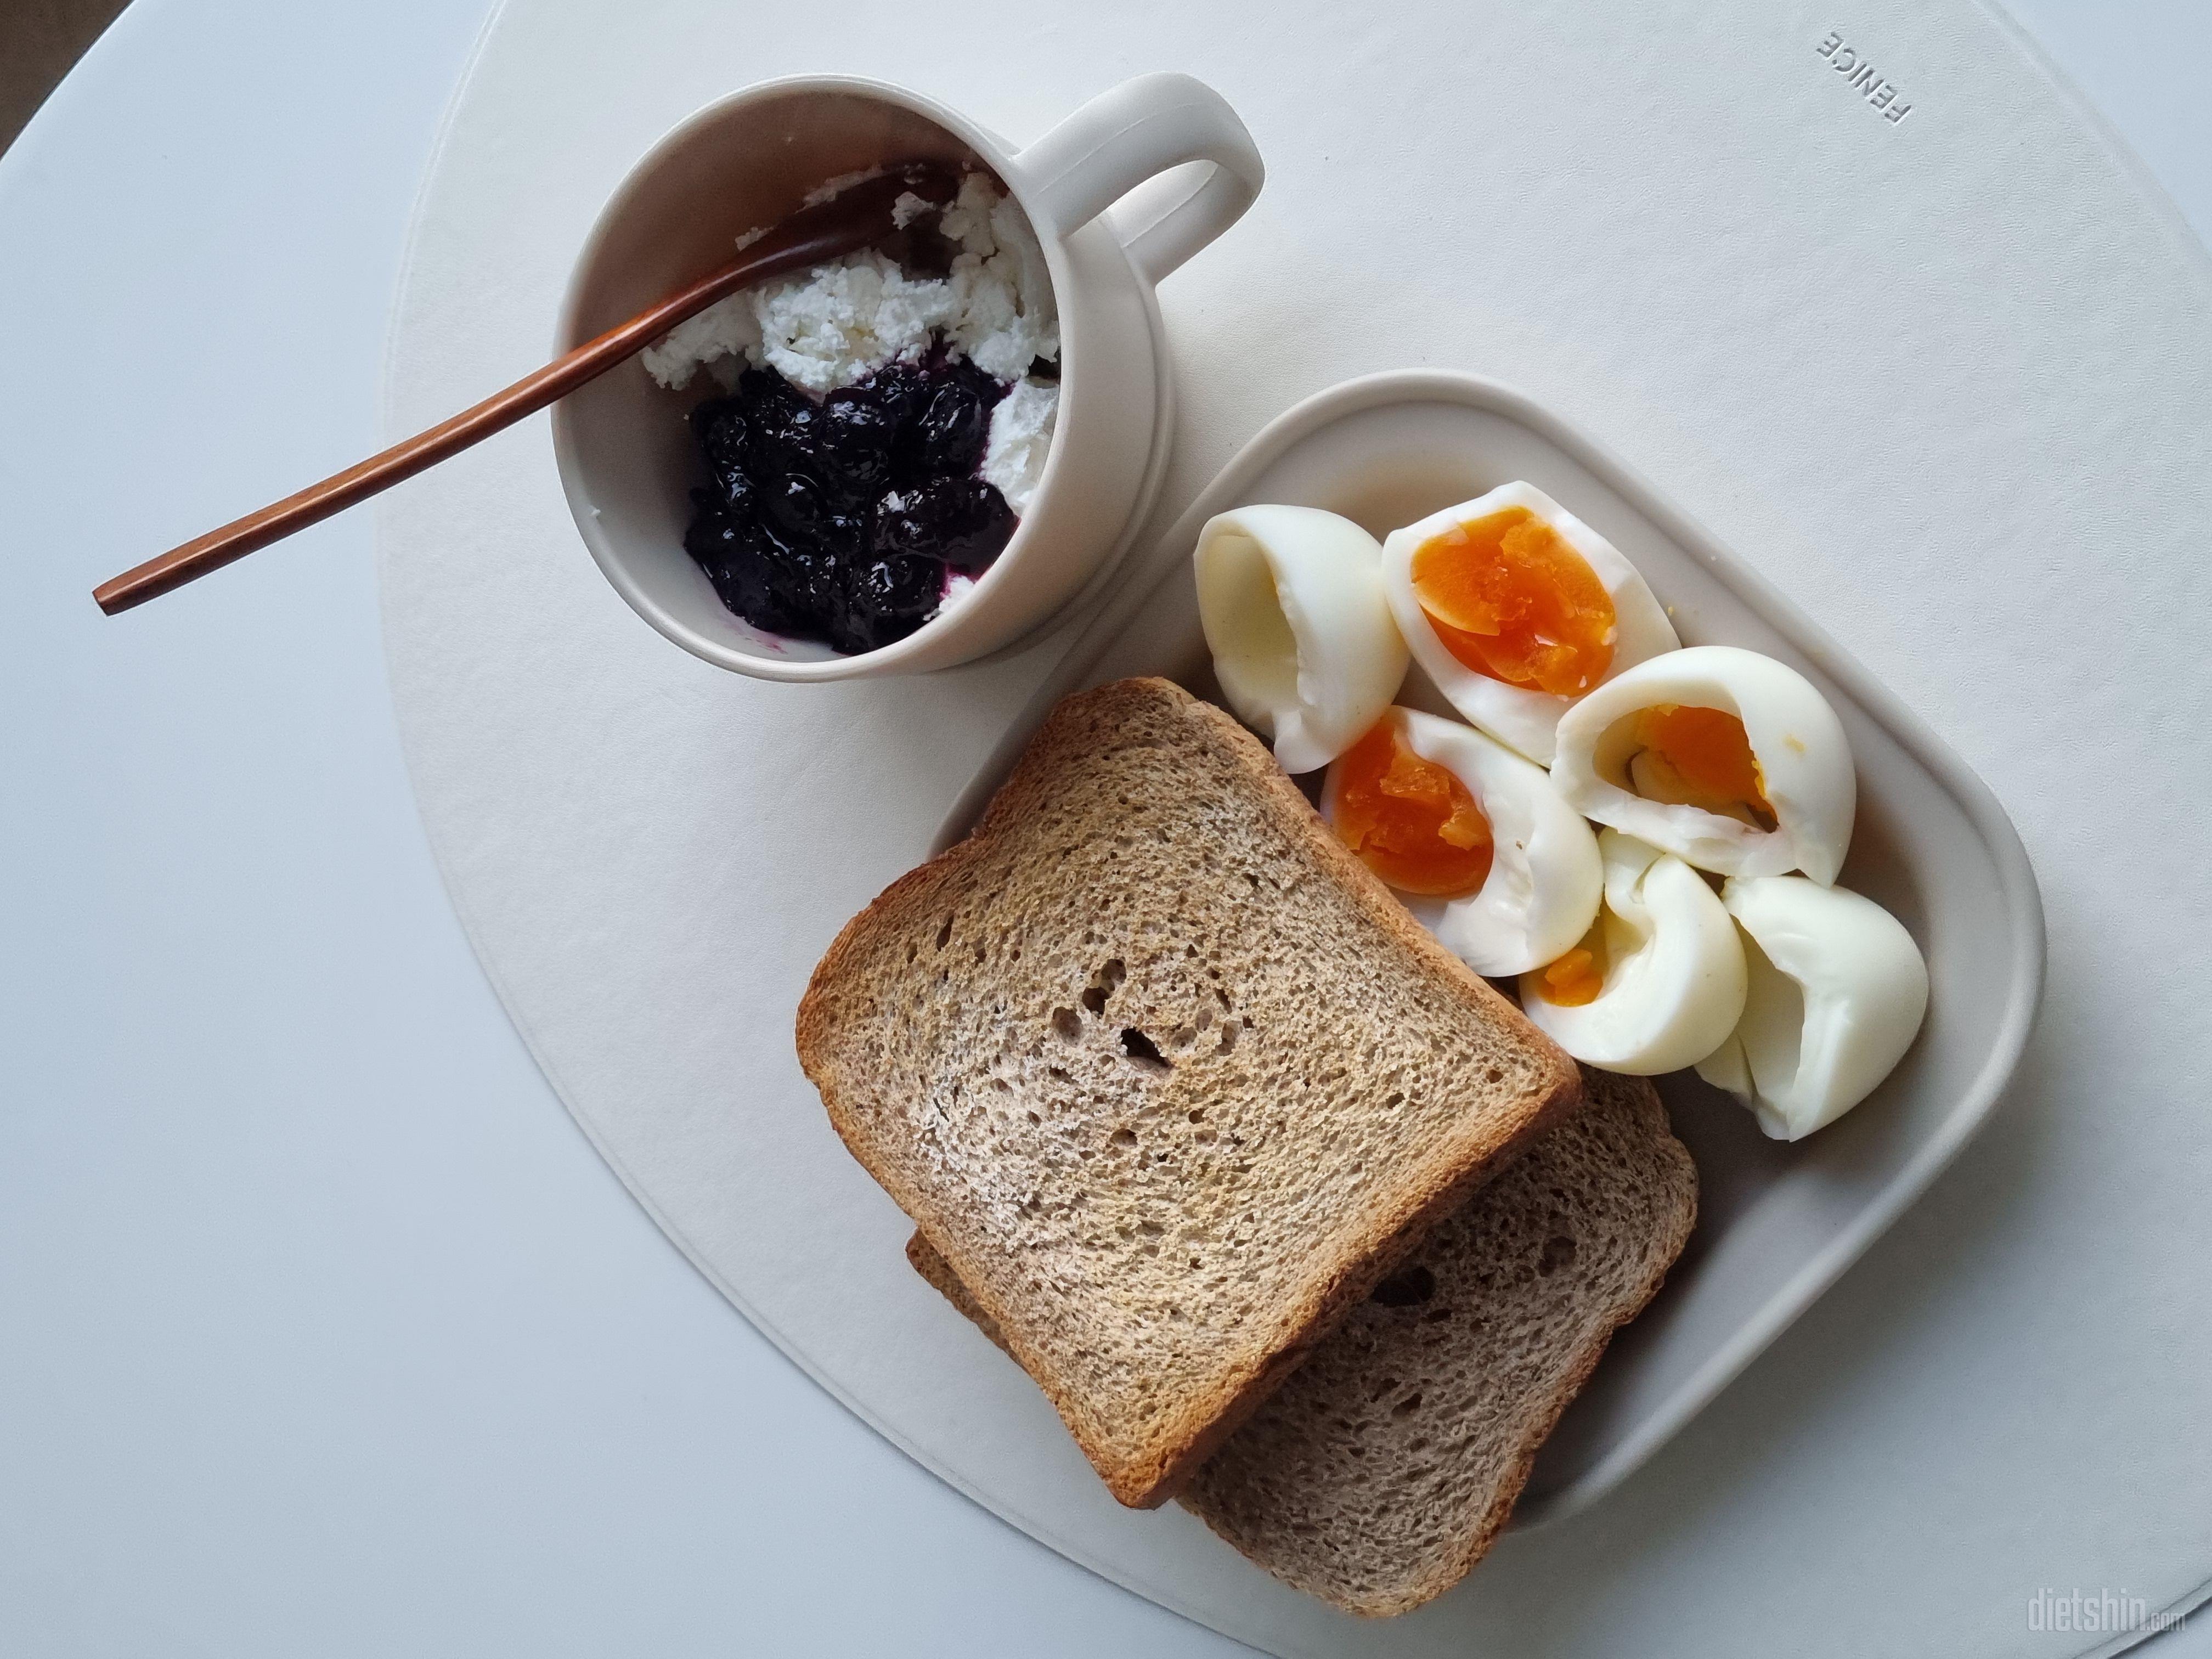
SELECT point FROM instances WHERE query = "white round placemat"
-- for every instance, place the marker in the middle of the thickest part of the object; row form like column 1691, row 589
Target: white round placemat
column 1866, row 294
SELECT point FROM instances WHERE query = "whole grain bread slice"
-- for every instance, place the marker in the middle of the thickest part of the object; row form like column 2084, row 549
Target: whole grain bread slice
column 1380, row 1473
column 1162, row 1071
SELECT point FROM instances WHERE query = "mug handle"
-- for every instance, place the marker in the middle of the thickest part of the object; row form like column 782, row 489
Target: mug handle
column 1129, row 135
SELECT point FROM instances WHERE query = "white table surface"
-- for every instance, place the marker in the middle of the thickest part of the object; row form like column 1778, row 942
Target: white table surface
column 326, row 1332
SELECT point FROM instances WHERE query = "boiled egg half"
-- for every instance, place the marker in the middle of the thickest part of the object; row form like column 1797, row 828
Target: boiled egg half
column 1836, row 991
column 1515, row 608
column 1658, row 983
column 1727, row 758
column 1291, row 598
column 1474, row 839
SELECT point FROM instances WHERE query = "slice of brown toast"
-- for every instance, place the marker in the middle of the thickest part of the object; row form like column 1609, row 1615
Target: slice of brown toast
column 1164, row 1073
column 1380, row 1473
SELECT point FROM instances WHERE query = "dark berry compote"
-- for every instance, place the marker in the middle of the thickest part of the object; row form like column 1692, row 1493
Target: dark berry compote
column 843, row 519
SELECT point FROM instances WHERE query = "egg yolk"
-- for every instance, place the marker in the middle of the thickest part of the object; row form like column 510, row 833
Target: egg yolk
column 1412, row 822
column 1691, row 756
column 1572, row 981
column 1509, row 597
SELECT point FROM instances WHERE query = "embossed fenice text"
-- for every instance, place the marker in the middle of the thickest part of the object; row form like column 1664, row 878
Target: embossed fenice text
column 1861, row 76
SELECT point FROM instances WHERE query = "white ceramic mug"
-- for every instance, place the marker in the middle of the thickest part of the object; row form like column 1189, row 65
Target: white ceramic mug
column 625, row 454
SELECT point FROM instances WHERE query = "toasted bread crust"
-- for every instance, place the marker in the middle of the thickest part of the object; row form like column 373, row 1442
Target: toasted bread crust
column 938, row 1273
column 1669, row 1181
column 1677, row 1224
column 837, row 1010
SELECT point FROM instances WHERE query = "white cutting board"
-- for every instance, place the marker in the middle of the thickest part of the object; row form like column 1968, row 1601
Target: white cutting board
column 1939, row 379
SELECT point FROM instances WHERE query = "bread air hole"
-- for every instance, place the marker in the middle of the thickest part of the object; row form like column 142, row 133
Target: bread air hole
column 1415, row 1285
column 1103, row 983
column 1142, row 1049
column 1558, row 1252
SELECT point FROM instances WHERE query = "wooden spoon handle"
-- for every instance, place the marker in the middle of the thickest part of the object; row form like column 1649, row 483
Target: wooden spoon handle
column 854, row 218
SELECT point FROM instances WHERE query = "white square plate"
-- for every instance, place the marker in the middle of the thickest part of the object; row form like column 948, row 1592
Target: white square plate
column 1777, row 1224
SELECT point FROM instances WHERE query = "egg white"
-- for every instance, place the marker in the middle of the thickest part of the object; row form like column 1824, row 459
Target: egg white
column 1522, row 719
column 1673, row 981
column 1804, row 761
column 1291, row 602
column 1837, row 990
column 1544, row 879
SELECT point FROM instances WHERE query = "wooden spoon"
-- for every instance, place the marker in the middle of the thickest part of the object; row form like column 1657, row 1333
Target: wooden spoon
column 848, row 221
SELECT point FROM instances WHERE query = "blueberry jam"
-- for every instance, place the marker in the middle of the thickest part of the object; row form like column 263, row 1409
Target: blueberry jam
column 844, row 520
